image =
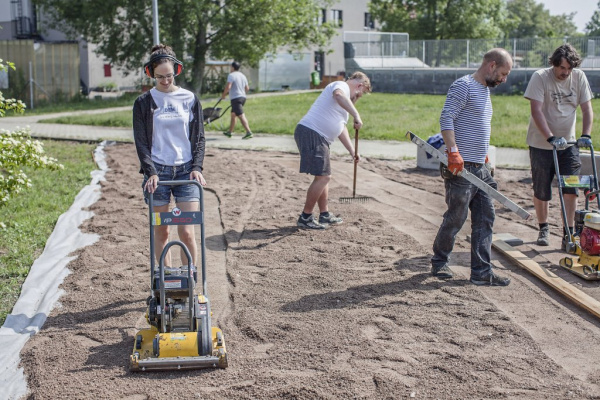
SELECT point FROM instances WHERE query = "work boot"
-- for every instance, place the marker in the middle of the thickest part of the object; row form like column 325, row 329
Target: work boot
column 544, row 237
column 491, row 280
column 443, row 272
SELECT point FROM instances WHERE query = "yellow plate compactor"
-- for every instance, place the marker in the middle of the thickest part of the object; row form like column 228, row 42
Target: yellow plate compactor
column 180, row 335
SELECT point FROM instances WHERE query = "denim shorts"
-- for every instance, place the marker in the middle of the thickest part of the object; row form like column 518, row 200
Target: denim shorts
column 543, row 171
column 314, row 152
column 181, row 193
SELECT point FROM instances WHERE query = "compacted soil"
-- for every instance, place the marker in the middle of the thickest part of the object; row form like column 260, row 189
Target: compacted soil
column 351, row 312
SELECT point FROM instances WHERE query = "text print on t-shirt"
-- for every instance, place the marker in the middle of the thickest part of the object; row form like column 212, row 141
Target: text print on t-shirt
column 169, row 111
column 560, row 98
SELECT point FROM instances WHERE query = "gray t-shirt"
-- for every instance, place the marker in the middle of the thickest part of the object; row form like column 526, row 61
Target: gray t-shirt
column 238, row 85
column 560, row 101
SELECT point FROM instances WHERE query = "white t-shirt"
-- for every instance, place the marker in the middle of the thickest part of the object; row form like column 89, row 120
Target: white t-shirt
column 326, row 116
column 560, row 101
column 171, row 131
column 238, row 85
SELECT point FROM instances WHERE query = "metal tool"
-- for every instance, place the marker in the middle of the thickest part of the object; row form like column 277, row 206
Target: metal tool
column 493, row 193
column 585, row 240
column 180, row 334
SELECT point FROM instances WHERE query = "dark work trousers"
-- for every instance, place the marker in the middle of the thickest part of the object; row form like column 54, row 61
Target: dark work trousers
column 462, row 196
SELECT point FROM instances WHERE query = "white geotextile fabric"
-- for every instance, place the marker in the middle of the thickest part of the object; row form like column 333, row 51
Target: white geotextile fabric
column 40, row 291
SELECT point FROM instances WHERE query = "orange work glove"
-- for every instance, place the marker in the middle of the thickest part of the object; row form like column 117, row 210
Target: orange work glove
column 455, row 161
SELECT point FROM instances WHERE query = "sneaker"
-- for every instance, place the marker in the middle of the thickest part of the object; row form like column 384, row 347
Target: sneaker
column 309, row 223
column 227, row 133
column 443, row 272
column 544, row 237
column 491, row 280
column 330, row 219
column 248, row 135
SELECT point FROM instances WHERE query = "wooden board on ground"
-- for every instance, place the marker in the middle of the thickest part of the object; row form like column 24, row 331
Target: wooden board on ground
column 577, row 296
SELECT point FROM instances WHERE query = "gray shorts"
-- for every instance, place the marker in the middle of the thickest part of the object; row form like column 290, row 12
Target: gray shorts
column 237, row 105
column 314, row 151
column 543, row 171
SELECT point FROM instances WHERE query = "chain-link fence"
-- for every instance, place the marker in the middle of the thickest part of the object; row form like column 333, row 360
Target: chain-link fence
column 466, row 53
column 377, row 44
column 527, row 53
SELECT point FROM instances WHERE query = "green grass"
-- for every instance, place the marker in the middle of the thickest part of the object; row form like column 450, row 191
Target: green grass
column 78, row 104
column 83, row 103
column 385, row 116
column 31, row 216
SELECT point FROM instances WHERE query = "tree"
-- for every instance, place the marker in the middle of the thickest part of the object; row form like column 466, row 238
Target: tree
column 18, row 150
column 527, row 18
column 440, row 19
column 244, row 30
column 592, row 28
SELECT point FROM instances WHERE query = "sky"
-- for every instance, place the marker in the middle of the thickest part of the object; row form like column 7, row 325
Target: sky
column 584, row 9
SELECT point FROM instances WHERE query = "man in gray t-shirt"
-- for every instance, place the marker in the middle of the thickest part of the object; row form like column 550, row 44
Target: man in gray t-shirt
column 554, row 94
column 237, row 87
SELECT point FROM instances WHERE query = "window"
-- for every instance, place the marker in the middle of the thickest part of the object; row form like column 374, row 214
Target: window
column 323, row 16
column 107, row 70
column 336, row 18
column 369, row 23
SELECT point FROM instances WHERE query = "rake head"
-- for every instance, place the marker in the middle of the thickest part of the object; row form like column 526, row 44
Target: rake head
column 359, row 199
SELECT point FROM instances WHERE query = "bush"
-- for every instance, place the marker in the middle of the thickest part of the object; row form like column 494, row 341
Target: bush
column 18, row 150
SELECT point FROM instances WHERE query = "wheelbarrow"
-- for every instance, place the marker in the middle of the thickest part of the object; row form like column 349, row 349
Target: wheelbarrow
column 211, row 114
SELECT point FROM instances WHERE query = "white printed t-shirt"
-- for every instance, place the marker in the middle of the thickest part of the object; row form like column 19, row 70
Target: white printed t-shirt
column 560, row 101
column 326, row 116
column 171, row 132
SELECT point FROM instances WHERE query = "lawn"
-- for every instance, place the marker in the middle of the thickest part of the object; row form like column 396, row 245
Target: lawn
column 30, row 217
column 385, row 116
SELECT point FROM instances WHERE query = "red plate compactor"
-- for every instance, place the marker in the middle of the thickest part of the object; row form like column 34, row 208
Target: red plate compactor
column 180, row 335
column 585, row 240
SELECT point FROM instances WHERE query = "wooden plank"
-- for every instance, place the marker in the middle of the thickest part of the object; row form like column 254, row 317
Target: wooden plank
column 580, row 298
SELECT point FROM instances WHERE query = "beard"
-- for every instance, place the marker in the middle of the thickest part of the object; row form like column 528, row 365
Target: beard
column 492, row 82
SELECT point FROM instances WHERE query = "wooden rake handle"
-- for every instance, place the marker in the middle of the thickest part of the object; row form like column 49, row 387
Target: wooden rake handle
column 355, row 163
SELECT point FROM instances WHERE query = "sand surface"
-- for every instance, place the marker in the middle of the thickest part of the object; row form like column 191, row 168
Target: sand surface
column 349, row 312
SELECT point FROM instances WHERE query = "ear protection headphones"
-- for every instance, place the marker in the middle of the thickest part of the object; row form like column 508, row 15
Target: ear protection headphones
column 177, row 65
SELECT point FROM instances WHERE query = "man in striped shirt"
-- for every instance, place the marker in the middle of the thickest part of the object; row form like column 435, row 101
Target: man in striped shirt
column 466, row 126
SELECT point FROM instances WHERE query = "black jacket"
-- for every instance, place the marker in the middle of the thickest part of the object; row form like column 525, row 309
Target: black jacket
column 143, row 111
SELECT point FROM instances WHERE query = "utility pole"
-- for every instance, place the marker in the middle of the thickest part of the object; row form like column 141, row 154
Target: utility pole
column 155, row 21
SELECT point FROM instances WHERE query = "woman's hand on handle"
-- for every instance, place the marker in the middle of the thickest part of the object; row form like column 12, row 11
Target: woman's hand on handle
column 151, row 184
column 198, row 177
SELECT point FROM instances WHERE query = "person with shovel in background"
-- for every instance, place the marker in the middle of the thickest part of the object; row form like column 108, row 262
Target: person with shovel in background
column 326, row 120
column 466, row 127
column 237, row 87
column 554, row 94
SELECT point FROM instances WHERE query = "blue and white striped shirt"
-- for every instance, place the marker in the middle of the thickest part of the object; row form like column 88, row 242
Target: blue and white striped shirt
column 468, row 112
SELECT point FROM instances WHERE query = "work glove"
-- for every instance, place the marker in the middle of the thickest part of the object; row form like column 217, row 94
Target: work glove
column 559, row 143
column 455, row 160
column 584, row 141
